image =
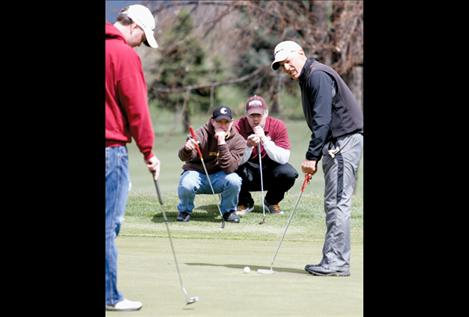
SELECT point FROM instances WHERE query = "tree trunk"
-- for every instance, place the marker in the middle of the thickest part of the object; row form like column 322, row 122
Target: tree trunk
column 321, row 16
column 354, row 80
column 274, row 90
column 186, row 116
column 186, row 120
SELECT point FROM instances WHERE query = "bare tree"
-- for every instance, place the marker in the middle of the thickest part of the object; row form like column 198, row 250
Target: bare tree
column 330, row 31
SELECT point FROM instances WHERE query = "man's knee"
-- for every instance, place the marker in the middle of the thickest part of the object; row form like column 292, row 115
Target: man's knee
column 286, row 172
column 245, row 173
column 233, row 180
column 188, row 184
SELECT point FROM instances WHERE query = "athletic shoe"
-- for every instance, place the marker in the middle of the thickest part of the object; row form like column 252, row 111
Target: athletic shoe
column 125, row 305
column 244, row 209
column 184, row 216
column 311, row 266
column 274, row 208
column 231, row 216
column 319, row 270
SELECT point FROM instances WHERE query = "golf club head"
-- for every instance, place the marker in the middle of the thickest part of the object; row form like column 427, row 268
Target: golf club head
column 262, row 221
column 192, row 300
column 265, row 271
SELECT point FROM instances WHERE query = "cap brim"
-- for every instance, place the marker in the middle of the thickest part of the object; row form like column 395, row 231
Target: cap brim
column 280, row 57
column 222, row 118
column 255, row 110
column 150, row 38
column 275, row 65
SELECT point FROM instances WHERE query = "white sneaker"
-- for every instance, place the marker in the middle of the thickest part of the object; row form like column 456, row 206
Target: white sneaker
column 125, row 305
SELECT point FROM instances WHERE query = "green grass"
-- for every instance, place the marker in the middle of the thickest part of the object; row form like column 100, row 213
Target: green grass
column 213, row 271
column 144, row 218
column 144, row 214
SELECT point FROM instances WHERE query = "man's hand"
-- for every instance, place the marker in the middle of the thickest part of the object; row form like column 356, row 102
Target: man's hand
column 259, row 131
column 309, row 167
column 221, row 131
column 190, row 144
column 253, row 140
column 153, row 165
column 220, row 135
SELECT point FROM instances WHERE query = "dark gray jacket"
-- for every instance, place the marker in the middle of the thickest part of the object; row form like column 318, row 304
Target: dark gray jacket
column 329, row 106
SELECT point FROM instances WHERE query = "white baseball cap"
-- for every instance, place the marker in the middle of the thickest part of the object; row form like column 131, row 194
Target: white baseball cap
column 282, row 51
column 143, row 17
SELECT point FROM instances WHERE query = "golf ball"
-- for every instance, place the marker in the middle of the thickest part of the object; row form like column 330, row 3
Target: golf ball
column 246, row 269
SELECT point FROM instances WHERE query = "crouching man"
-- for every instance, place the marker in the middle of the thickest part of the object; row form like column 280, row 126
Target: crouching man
column 222, row 148
column 257, row 127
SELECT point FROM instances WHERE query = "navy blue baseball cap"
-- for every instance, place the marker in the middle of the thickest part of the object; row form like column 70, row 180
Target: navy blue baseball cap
column 222, row 112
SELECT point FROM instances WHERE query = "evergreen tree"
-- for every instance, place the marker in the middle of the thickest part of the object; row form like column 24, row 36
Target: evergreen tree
column 183, row 64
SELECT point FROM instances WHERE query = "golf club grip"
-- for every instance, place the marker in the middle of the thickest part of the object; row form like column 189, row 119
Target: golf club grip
column 157, row 186
column 194, row 136
column 306, row 181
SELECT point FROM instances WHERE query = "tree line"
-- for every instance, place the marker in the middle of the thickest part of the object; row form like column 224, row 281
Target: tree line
column 207, row 44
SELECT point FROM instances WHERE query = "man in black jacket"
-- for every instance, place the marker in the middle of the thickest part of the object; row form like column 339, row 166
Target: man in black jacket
column 336, row 122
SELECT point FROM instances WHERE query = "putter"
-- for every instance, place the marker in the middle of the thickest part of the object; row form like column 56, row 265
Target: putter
column 262, row 182
column 194, row 136
column 189, row 299
column 305, row 182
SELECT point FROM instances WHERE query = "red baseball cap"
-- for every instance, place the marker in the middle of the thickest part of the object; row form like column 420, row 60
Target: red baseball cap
column 256, row 104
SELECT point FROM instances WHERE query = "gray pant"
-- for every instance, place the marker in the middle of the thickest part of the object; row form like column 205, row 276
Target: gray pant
column 340, row 169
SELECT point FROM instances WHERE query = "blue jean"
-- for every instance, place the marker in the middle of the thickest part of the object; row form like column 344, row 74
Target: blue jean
column 193, row 182
column 117, row 187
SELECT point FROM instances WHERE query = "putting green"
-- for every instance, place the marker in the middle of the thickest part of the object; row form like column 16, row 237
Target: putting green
column 213, row 271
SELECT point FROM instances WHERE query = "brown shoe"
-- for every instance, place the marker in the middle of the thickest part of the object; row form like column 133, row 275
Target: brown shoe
column 274, row 209
column 242, row 210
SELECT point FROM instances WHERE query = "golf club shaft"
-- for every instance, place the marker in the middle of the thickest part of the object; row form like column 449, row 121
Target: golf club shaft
column 213, row 192
column 285, row 230
column 305, row 182
column 262, row 180
column 170, row 239
column 160, row 198
column 194, row 136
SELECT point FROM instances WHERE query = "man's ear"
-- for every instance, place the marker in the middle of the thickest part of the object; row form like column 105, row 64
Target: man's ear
column 133, row 26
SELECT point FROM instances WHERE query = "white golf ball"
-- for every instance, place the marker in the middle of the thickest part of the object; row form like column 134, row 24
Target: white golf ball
column 246, row 269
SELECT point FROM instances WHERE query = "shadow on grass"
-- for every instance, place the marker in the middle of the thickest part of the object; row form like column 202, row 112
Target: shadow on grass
column 206, row 213
column 252, row 267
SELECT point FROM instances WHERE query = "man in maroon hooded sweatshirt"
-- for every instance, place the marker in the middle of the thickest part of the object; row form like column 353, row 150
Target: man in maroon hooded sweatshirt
column 127, row 117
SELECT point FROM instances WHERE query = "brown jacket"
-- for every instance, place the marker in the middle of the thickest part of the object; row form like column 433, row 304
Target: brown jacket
column 224, row 157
